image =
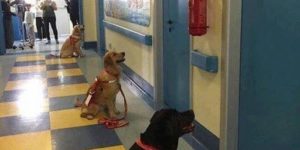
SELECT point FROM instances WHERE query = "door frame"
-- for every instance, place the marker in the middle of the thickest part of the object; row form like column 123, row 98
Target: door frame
column 158, row 54
column 230, row 68
column 101, row 43
column 159, row 58
column 2, row 36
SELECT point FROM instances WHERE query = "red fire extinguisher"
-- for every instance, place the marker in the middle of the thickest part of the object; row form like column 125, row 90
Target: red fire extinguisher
column 197, row 17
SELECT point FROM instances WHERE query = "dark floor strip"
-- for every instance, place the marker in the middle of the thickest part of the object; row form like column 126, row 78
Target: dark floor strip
column 62, row 66
column 15, row 95
column 87, row 137
column 66, row 80
column 25, row 76
column 61, row 103
column 20, row 124
column 30, row 63
column 30, row 52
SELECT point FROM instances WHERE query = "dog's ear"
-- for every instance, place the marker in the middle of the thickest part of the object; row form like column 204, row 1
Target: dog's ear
column 108, row 61
column 156, row 115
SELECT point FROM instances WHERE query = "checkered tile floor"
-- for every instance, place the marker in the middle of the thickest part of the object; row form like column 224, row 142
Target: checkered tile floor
column 37, row 108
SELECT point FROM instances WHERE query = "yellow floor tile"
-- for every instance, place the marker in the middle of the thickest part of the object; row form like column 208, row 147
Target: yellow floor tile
column 25, row 107
column 60, row 61
column 30, row 58
column 29, row 69
column 63, row 73
column 30, row 141
column 112, row 148
column 68, row 118
column 67, row 90
column 26, row 84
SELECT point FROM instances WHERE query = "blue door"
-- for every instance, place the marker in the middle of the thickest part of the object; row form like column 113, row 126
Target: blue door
column 270, row 75
column 176, row 54
column 2, row 41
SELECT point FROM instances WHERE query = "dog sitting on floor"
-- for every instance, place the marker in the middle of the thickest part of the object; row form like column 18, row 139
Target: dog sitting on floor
column 71, row 47
column 166, row 126
column 104, row 90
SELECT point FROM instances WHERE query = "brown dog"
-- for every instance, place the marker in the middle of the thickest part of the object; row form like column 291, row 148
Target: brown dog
column 71, row 47
column 105, row 89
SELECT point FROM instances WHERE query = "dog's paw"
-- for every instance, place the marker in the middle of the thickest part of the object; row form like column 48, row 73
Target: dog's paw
column 87, row 116
column 117, row 112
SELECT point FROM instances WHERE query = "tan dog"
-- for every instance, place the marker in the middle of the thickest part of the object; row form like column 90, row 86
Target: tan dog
column 104, row 90
column 71, row 47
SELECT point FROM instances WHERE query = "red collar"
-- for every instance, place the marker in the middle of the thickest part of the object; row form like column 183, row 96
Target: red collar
column 144, row 146
column 74, row 39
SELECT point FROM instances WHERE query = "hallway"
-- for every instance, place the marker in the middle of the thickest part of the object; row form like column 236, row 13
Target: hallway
column 37, row 106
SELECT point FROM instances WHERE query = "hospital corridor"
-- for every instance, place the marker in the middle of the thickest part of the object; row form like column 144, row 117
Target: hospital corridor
column 149, row 75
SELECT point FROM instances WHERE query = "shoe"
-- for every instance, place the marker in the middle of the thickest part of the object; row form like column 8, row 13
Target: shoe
column 57, row 42
column 49, row 42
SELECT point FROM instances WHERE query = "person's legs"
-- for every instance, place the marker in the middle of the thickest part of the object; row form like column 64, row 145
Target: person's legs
column 73, row 20
column 43, row 29
column 47, row 21
column 8, row 32
column 77, row 18
column 39, row 27
column 31, row 36
column 54, row 28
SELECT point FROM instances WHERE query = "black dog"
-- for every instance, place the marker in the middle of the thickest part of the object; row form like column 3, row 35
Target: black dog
column 166, row 126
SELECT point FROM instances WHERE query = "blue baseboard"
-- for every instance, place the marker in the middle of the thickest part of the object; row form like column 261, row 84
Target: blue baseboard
column 90, row 45
column 193, row 142
column 206, row 137
column 138, row 85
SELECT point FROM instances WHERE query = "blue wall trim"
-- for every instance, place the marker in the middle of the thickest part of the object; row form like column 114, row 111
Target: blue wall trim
column 139, row 37
column 205, row 62
column 140, row 86
column 206, row 137
column 90, row 45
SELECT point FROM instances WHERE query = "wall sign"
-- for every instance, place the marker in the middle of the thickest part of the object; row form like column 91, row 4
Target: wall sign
column 134, row 11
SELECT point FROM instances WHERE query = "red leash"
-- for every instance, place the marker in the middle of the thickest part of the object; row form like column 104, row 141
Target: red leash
column 112, row 123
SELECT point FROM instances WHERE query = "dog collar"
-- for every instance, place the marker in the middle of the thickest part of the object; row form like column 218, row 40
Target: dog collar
column 111, row 81
column 144, row 146
column 75, row 37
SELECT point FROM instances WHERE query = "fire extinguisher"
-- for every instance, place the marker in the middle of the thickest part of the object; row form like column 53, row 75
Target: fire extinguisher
column 197, row 17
